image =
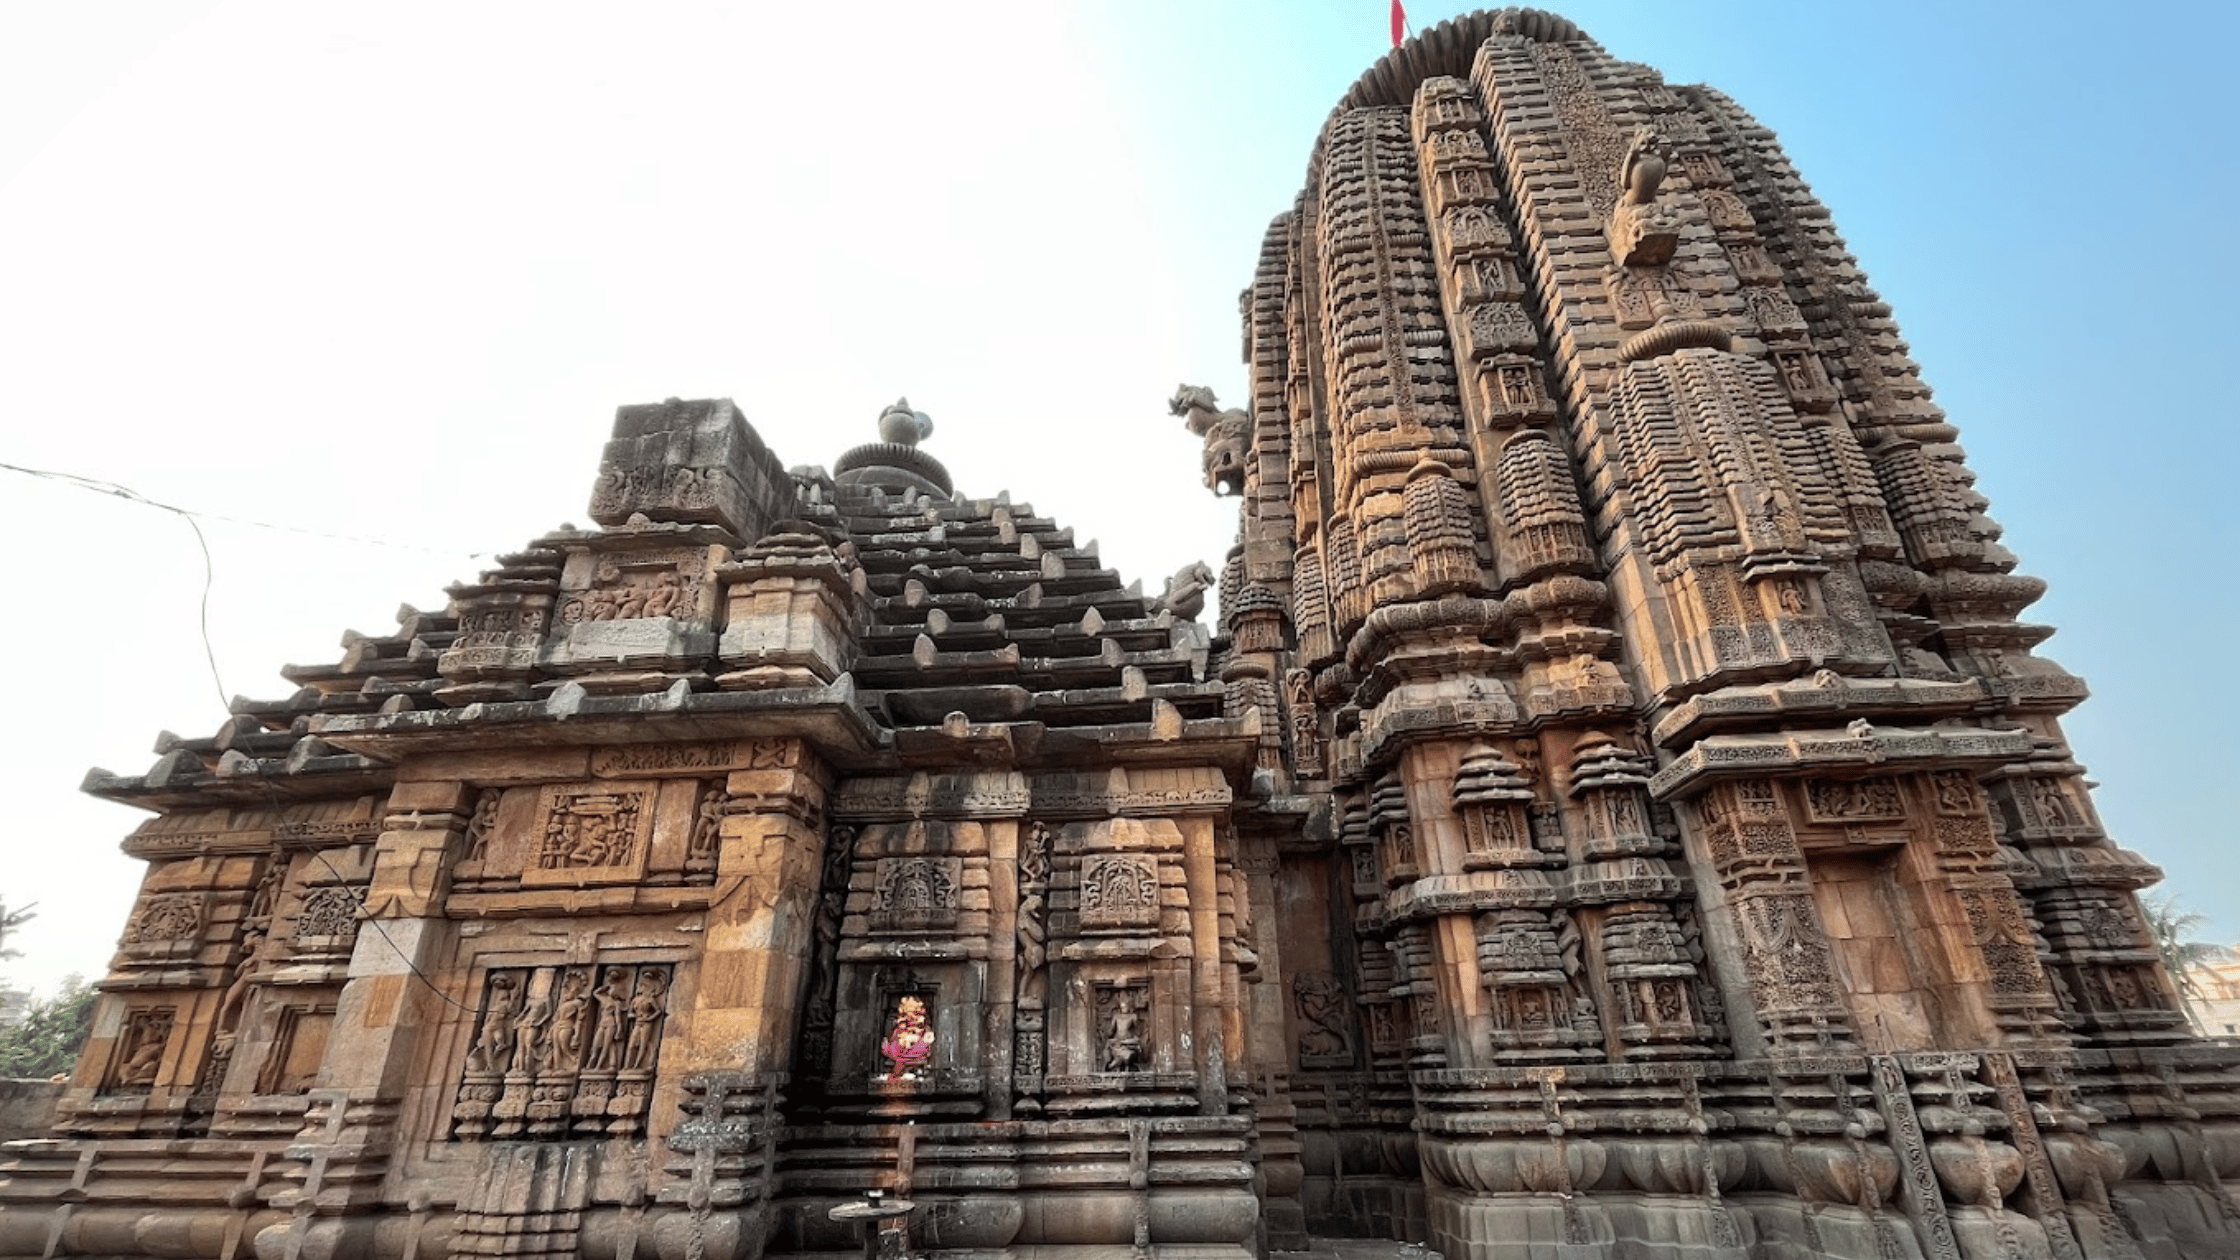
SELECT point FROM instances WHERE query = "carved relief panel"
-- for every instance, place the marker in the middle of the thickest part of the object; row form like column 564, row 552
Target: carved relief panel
column 327, row 924
column 137, row 1062
column 626, row 586
column 1119, row 1020
column 164, row 924
column 562, row 1050
column 1119, row 891
column 917, row 894
column 592, row 833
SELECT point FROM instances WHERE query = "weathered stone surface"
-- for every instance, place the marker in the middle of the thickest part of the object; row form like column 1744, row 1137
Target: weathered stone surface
column 1617, row 813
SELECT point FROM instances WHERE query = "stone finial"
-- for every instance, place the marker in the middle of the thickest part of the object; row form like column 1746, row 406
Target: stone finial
column 902, row 426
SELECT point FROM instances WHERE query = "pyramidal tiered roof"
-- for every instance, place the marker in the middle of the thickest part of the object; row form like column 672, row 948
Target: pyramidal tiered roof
column 934, row 619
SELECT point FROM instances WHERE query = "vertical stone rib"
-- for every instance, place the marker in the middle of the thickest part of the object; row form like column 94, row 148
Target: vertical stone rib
column 1388, row 360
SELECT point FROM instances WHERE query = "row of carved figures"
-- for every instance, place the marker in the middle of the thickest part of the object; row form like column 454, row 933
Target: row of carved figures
column 550, row 1045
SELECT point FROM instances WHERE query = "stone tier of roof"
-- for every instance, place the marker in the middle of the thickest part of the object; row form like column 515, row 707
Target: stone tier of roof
column 967, row 627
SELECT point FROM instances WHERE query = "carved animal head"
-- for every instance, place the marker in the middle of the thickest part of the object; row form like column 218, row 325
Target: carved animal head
column 1189, row 398
column 1227, row 441
column 1228, row 435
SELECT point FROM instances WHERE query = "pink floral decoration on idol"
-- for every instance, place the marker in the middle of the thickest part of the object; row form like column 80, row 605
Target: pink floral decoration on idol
column 910, row 1044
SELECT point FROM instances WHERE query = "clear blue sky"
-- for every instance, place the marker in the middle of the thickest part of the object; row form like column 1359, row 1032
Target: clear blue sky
column 383, row 271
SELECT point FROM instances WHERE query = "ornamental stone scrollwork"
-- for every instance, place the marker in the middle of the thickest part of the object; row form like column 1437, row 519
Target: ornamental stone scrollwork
column 165, row 918
column 1030, row 1038
column 1789, row 962
column 563, row 1050
column 917, row 894
column 2009, row 948
column 1119, row 891
column 329, row 918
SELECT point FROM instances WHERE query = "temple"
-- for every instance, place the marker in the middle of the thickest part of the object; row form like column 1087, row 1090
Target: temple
column 1617, row 813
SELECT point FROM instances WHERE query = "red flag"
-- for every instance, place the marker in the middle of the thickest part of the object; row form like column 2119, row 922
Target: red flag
column 1399, row 23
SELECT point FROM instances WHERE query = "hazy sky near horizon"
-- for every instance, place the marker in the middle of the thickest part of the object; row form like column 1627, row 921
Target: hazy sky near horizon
column 381, row 272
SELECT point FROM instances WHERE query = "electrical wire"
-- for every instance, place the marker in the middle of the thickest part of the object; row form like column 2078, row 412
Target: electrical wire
column 99, row 486
column 209, row 653
column 194, row 521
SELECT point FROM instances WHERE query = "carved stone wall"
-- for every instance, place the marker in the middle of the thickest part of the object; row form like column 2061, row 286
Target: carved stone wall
column 1618, row 812
column 1660, row 711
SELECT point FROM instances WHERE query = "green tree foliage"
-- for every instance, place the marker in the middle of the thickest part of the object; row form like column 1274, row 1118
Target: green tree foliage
column 49, row 1038
column 2174, row 929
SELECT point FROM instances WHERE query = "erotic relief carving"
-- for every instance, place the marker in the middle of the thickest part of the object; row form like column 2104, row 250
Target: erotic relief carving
column 483, row 822
column 1840, row 800
column 1119, row 891
column 1956, row 792
column 140, row 1051
column 660, row 584
column 592, row 832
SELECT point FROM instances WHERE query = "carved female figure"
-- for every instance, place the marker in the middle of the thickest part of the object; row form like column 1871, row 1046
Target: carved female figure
column 646, row 1010
column 614, row 1006
column 568, row 1021
column 495, row 1050
column 530, row 1048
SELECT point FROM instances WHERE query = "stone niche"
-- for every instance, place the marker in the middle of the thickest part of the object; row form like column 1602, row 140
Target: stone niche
column 871, row 993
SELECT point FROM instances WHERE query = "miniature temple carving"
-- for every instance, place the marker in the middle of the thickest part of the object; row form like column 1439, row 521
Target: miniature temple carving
column 1614, row 807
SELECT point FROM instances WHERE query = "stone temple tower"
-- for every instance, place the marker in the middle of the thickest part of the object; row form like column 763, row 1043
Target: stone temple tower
column 1691, row 863
column 1619, row 813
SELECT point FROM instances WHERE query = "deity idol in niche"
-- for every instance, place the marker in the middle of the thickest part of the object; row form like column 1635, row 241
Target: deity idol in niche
column 909, row 1045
